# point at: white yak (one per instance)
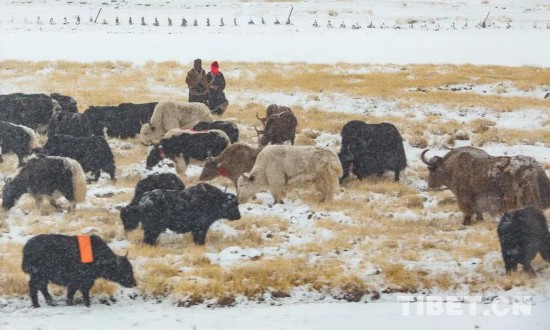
(279, 166)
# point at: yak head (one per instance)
(246, 187)
(150, 134)
(13, 189)
(436, 168)
(118, 270)
(155, 156)
(212, 169)
(130, 217)
(222, 204)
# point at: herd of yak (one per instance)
(516, 187)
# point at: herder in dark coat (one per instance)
(216, 84)
(197, 83)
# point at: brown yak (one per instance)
(273, 109)
(278, 129)
(484, 183)
(235, 160)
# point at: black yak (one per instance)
(191, 210)
(522, 234)
(59, 259)
(182, 145)
(165, 181)
(371, 149)
(92, 152)
(44, 177)
(20, 140)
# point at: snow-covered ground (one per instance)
(404, 32)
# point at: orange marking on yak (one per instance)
(85, 248)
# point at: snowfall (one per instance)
(375, 32)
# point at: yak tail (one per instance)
(79, 180)
(545, 250)
(544, 188)
(28, 261)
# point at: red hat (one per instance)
(215, 68)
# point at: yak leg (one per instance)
(396, 175)
(43, 287)
(97, 174)
(71, 290)
(33, 290)
(479, 216)
(468, 207)
(510, 265)
(346, 171)
(51, 199)
(85, 289)
(529, 269)
(199, 235)
(111, 170)
(181, 165)
(150, 236)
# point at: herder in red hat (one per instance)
(216, 84)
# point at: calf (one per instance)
(18, 139)
(229, 128)
(59, 259)
(45, 177)
(522, 234)
(371, 149)
(191, 210)
(92, 152)
(182, 145)
(235, 160)
(165, 181)
(278, 129)
(278, 166)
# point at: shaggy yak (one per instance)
(278, 129)
(92, 152)
(20, 140)
(522, 234)
(182, 145)
(69, 123)
(483, 183)
(170, 115)
(122, 121)
(30, 110)
(47, 177)
(191, 210)
(371, 149)
(280, 165)
(68, 261)
(229, 128)
(165, 181)
(273, 109)
(235, 160)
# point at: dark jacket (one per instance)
(216, 97)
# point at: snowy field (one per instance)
(401, 32)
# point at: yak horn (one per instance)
(259, 132)
(126, 255)
(423, 157)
